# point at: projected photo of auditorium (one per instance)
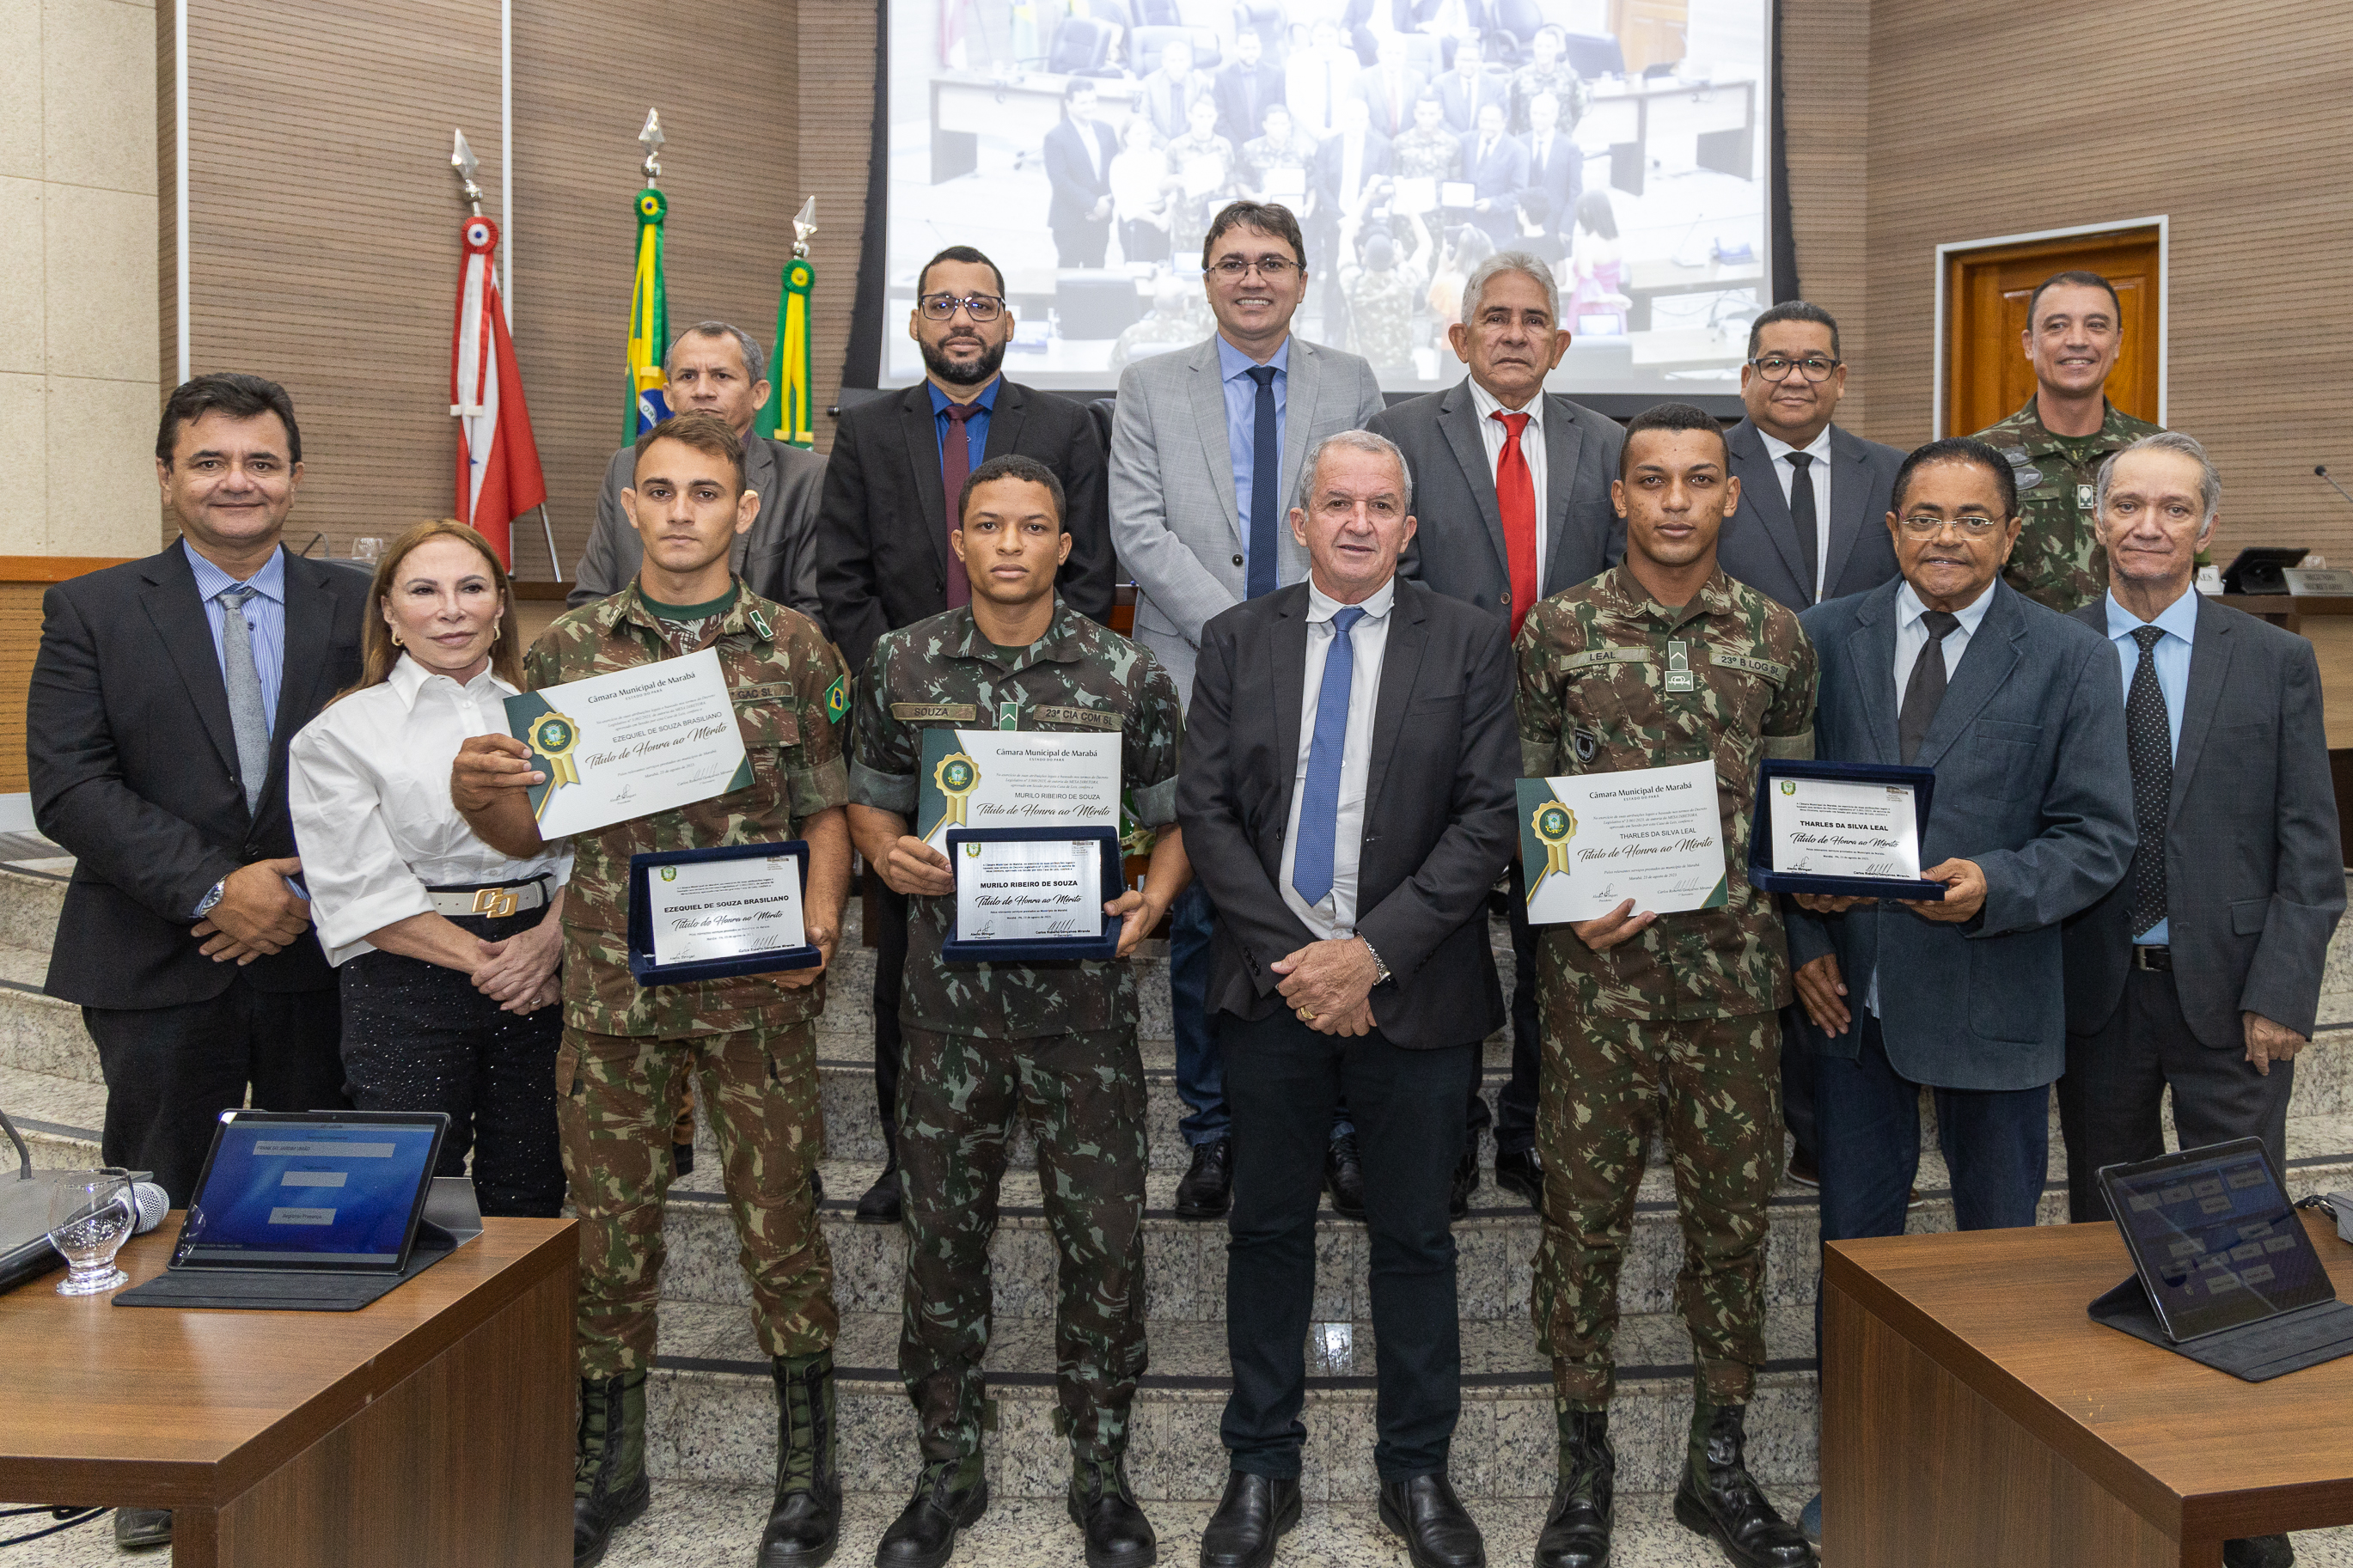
(1084, 144)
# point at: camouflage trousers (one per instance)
(1083, 1096)
(616, 1097)
(1714, 1085)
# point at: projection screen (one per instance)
(1083, 144)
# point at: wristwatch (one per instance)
(1380, 970)
(204, 905)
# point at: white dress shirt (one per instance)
(1910, 636)
(369, 791)
(1818, 449)
(2179, 621)
(1492, 431)
(1337, 915)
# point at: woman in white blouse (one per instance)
(447, 949)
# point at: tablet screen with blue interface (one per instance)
(2217, 1240)
(309, 1194)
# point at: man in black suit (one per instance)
(1351, 170)
(163, 700)
(1351, 956)
(882, 558)
(1079, 151)
(1495, 162)
(1515, 482)
(1800, 544)
(1245, 89)
(1556, 167)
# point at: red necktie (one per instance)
(1515, 494)
(955, 467)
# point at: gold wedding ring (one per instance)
(1306, 1014)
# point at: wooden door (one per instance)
(1986, 377)
(1651, 32)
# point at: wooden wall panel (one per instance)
(1825, 75)
(725, 75)
(837, 102)
(2234, 120)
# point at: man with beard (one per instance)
(883, 555)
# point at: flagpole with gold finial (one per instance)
(789, 415)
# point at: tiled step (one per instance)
(711, 1409)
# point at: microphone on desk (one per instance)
(149, 1204)
(2322, 470)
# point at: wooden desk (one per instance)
(432, 1427)
(1972, 1414)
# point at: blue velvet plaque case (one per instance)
(1101, 947)
(1760, 831)
(642, 925)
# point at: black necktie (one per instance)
(1925, 692)
(1801, 512)
(1266, 460)
(2149, 740)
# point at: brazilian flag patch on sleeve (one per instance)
(837, 699)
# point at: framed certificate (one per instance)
(630, 743)
(1841, 829)
(707, 914)
(1590, 841)
(1025, 894)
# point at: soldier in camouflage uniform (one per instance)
(1546, 71)
(1431, 150)
(1663, 1018)
(1282, 147)
(1052, 1042)
(1382, 293)
(2074, 328)
(628, 1050)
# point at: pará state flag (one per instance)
(649, 322)
(499, 477)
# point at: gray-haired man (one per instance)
(719, 368)
(1515, 497)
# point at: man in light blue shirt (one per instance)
(264, 612)
(1243, 417)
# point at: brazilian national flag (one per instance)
(647, 386)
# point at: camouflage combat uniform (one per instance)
(1677, 1023)
(1380, 311)
(1053, 1041)
(1418, 155)
(2058, 561)
(629, 1049)
(1569, 88)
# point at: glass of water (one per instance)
(367, 548)
(90, 1219)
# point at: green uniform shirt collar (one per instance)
(627, 608)
(1062, 644)
(1628, 598)
(2038, 442)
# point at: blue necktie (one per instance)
(1266, 464)
(1319, 808)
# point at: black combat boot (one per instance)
(1104, 1505)
(806, 1516)
(609, 1472)
(1718, 1497)
(1577, 1526)
(948, 1497)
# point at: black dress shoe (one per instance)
(1718, 1497)
(1466, 1182)
(1208, 1189)
(1104, 1505)
(1252, 1515)
(1522, 1172)
(682, 1160)
(924, 1534)
(1804, 1170)
(1437, 1529)
(1344, 1177)
(880, 1204)
(143, 1529)
(1576, 1527)
(2259, 1551)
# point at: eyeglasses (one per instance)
(979, 307)
(1970, 524)
(1270, 268)
(1777, 367)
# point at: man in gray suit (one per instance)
(2017, 710)
(2200, 971)
(1206, 450)
(1514, 484)
(714, 366)
(1800, 543)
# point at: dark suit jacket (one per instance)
(1458, 545)
(1244, 94)
(1498, 180)
(777, 559)
(1071, 174)
(1759, 545)
(134, 764)
(1373, 88)
(883, 543)
(1463, 104)
(2254, 879)
(2031, 783)
(1562, 180)
(1329, 167)
(1438, 808)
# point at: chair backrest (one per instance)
(1152, 38)
(1080, 44)
(1596, 54)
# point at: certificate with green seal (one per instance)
(1591, 841)
(646, 739)
(1050, 780)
